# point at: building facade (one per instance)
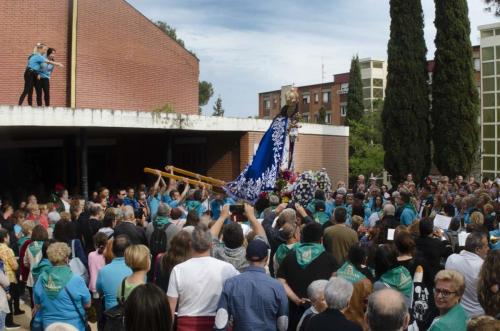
(490, 99)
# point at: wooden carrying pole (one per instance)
(212, 181)
(180, 178)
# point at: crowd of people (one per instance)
(37, 75)
(175, 257)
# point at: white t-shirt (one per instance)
(197, 283)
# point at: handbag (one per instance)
(84, 319)
(77, 266)
(115, 316)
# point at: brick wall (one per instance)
(23, 23)
(223, 156)
(133, 65)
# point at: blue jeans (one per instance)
(2, 320)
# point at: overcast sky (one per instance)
(246, 47)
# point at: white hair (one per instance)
(128, 213)
(389, 209)
(338, 293)
(316, 289)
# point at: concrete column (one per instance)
(83, 164)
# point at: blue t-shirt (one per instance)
(110, 278)
(407, 216)
(154, 203)
(61, 309)
(46, 70)
(35, 62)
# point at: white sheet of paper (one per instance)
(390, 234)
(442, 222)
(462, 236)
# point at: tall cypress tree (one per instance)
(405, 117)
(355, 107)
(455, 103)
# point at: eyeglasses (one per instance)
(444, 293)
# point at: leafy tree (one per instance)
(455, 103)
(367, 152)
(218, 110)
(322, 115)
(405, 116)
(169, 31)
(206, 91)
(493, 6)
(355, 107)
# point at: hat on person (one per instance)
(257, 250)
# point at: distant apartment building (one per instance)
(332, 96)
(490, 98)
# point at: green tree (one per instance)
(455, 103)
(205, 92)
(322, 115)
(366, 150)
(405, 116)
(218, 110)
(355, 107)
(169, 31)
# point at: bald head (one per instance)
(387, 311)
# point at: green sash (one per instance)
(308, 252)
(350, 273)
(400, 279)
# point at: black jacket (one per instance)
(332, 320)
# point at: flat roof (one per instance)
(11, 116)
(488, 26)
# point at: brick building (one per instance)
(101, 129)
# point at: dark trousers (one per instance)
(13, 303)
(42, 86)
(29, 82)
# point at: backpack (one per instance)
(158, 240)
(115, 316)
(77, 266)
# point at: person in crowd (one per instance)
(147, 308)
(137, 258)
(388, 220)
(195, 285)
(483, 323)
(4, 304)
(34, 255)
(488, 286)
(109, 222)
(408, 212)
(338, 293)
(10, 266)
(357, 305)
(96, 262)
(110, 276)
(42, 84)
(338, 239)
(308, 262)
(290, 232)
(406, 251)
(128, 227)
(354, 268)
(265, 306)
(448, 290)
(389, 273)
(316, 294)
(64, 232)
(431, 249)
(162, 222)
(59, 295)
(129, 199)
(387, 311)
(231, 249)
(180, 251)
(90, 226)
(360, 184)
(32, 71)
(469, 263)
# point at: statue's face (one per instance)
(292, 97)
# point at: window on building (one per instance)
(488, 115)
(488, 163)
(477, 64)
(328, 118)
(316, 97)
(488, 147)
(344, 87)
(378, 82)
(365, 65)
(378, 64)
(498, 68)
(488, 131)
(378, 93)
(343, 109)
(486, 33)
(488, 69)
(316, 118)
(498, 53)
(488, 99)
(487, 53)
(326, 97)
(497, 32)
(488, 84)
(367, 82)
(367, 93)
(267, 104)
(266, 113)
(367, 104)
(306, 99)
